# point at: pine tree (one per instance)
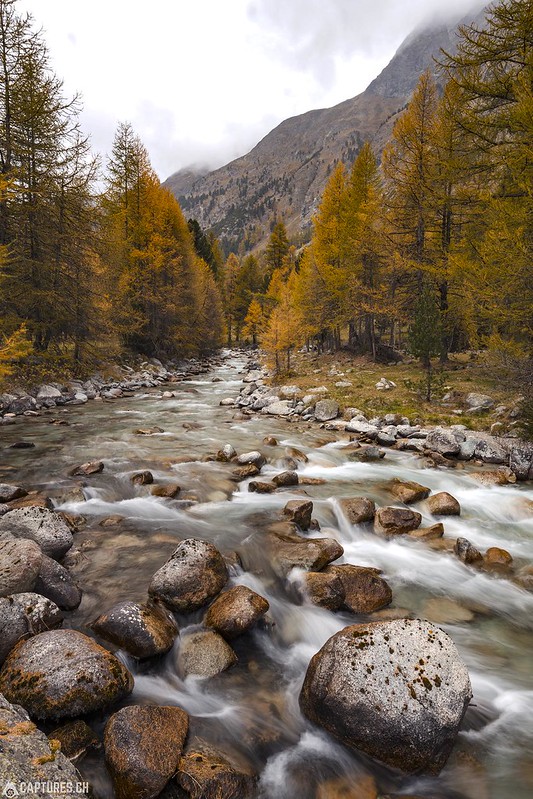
(425, 333)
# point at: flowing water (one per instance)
(251, 711)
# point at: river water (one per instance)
(251, 711)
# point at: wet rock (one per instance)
(396, 521)
(10, 492)
(524, 577)
(326, 409)
(364, 590)
(166, 490)
(194, 574)
(255, 458)
(358, 510)
(76, 739)
(478, 402)
(206, 774)
(56, 583)
(467, 552)
(428, 533)
(143, 746)
(147, 431)
(360, 786)
(142, 630)
(296, 454)
(63, 674)
(27, 755)
(443, 442)
(490, 450)
(48, 529)
(311, 481)
(20, 561)
(270, 441)
(24, 615)
(385, 439)
(287, 550)
(497, 559)
(204, 654)
(22, 445)
(91, 467)
(300, 512)
(397, 690)
(261, 488)
(521, 460)
(408, 491)
(244, 472)
(442, 610)
(367, 453)
(323, 589)
(497, 477)
(226, 454)
(281, 408)
(33, 499)
(443, 504)
(236, 611)
(285, 479)
(142, 478)
(362, 428)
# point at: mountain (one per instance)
(285, 174)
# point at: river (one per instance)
(252, 709)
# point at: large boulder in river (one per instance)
(364, 590)
(23, 615)
(444, 442)
(288, 550)
(299, 511)
(10, 492)
(396, 521)
(20, 561)
(207, 774)
(326, 409)
(236, 611)
(443, 504)
(408, 491)
(194, 574)
(63, 674)
(204, 653)
(142, 630)
(56, 583)
(143, 746)
(358, 510)
(397, 690)
(48, 529)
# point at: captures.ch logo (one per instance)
(10, 790)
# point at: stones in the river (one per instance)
(20, 561)
(166, 490)
(76, 738)
(396, 690)
(324, 589)
(142, 478)
(270, 441)
(467, 552)
(396, 521)
(27, 756)
(364, 590)
(142, 630)
(56, 583)
(326, 409)
(226, 454)
(287, 550)
(286, 479)
(442, 610)
(143, 746)
(236, 611)
(86, 469)
(443, 442)
(300, 512)
(63, 674)
(408, 491)
(497, 559)
(204, 653)
(48, 529)
(358, 510)
(494, 477)
(206, 774)
(148, 431)
(254, 457)
(244, 472)
(443, 504)
(258, 487)
(428, 533)
(24, 615)
(194, 574)
(10, 492)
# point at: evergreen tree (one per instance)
(425, 333)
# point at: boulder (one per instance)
(24, 615)
(226, 454)
(56, 583)
(33, 499)
(497, 559)
(206, 774)
(144, 431)
(236, 611)
(408, 491)
(142, 630)
(358, 510)
(521, 460)
(396, 521)
(467, 552)
(63, 674)
(9, 492)
(194, 574)
(142, 478)
(48, 529)
(490, 450)
(496, 477)
(204, 654)
(27, 756)
(285, 479)
(258, 487)
(299, 511)
(428, 533)
(86, 469)
(367, 453)
(478, 402)
(364, 590)
(443, 504)
(166, 490)
(76, 738)
(20, 561)
(442, 610)
(143, 746)
(244, 472)
(397, 690)
(270, 441)
(288, 550)
(323, 589)
(362, 429)
(255, 458)
(326, 409)
(443, 442)
(296, 455)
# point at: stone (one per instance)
(270, 441)
(428, 533)
(408, 491)
(497, 477)
(24, 615)
(9, 492)
(467, 552)
(255, 458)
(20, 561)
(142, 478)
(385, 439)
(166, 490)
(281, 408)
(235, 611)
(490, 450)
(48, 529)
(56, 583)
(287, 550)
(396, 521)
(524, 577)
(300, 512)
(147, 431)
(143, 746)
(521, 460)
(244, 472)
(358, 510)
(194, 574)
(396, 690)
(443, 442)
(443, 504)
(76, 739)
(285, 479)
(226, 454)
(63, 674)
(478, 402)
(323, 589)
(442, 610)
(497, 559)
(467, 448)
(367, 453)
(364, 590)
(27, 756)
(86, 469)
(33, 499)
(48, 392)
(360, 786)
(204, 654)
(206, 774)
(362, 429)
(326, 409)
(142, 630)
(261, 488)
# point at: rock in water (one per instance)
(48, 529)
(236, 611)
(194, 574)
(63, 674)
(204, 653)
(20, 561)
(24, 615)
(408, 491)
(397, 690)
(142, 630)
(206, 774)
(143, 746)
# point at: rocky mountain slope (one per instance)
(284, 175)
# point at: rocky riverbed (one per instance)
(208, 589)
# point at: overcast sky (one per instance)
(202, 81)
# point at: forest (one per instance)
(426, 247)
